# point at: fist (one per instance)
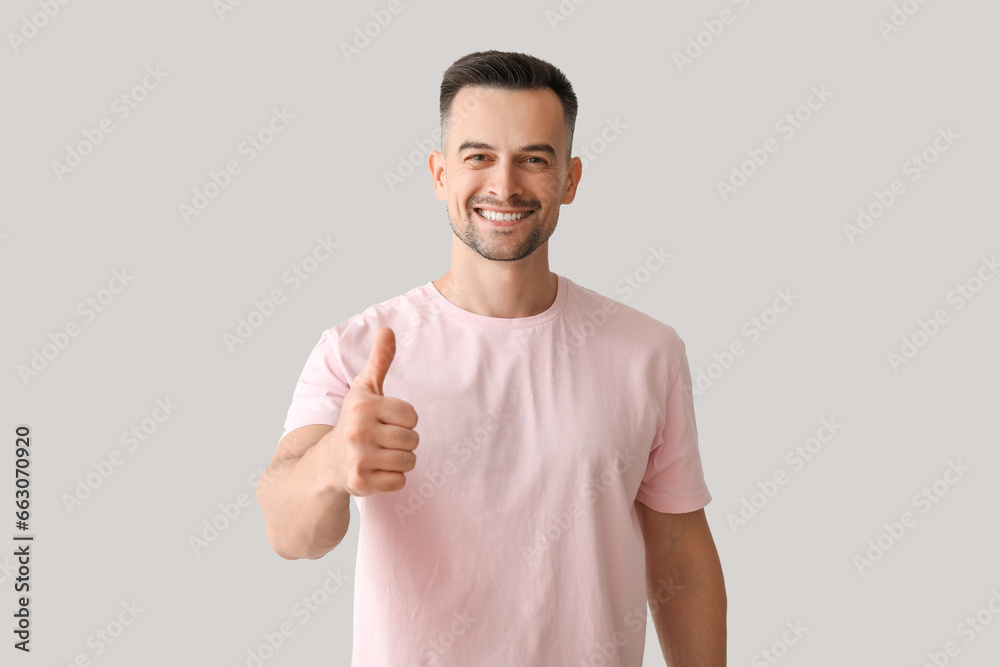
(373, 441)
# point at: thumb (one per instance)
(383, 350)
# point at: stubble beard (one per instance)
(496, 249)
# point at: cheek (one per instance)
(462, 190)
(459, 210)
(550, 187)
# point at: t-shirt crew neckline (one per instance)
(478, 320)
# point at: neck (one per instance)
(508, 290)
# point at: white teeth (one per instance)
(492, 215)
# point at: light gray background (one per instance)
(654, 185)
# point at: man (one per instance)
(557, 484)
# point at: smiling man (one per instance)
(557, 488)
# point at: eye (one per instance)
(540, 160)
(471, 157)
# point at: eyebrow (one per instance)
(530, 148)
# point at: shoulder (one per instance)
(624, 320)
(391, 312)
(347, 344)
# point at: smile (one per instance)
(497, 217)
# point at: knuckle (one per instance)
(349, 431)
(358, 433)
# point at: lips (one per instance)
(503, 222)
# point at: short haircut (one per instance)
(507, 71)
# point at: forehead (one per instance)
(494, 114)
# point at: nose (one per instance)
(503, 181)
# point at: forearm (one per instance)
(691, 622)
(304, 516)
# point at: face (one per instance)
(504, 171)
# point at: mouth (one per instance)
(502, 219)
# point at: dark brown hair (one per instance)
(507, 71)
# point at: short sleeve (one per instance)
(320, 390)
(674, 481)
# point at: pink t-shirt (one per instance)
(515, 540)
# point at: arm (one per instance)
(685, 587)
(305, 515)
(305, 492)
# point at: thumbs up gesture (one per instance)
(373, 441)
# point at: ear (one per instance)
(572, 180)
(436, 164)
